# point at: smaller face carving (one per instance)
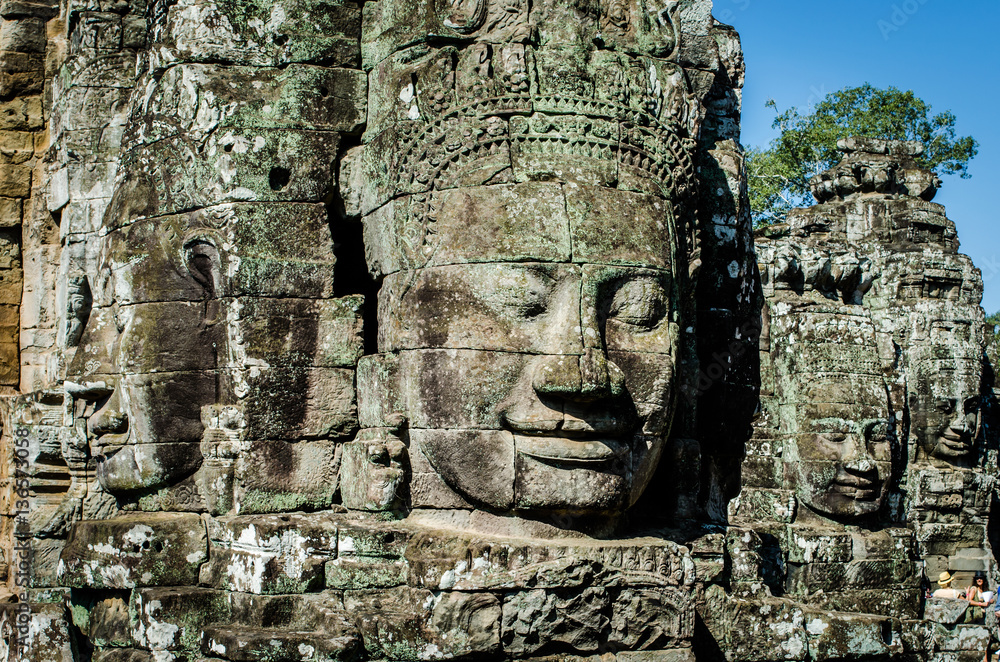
(841, 464)
(956, 439)
(945, 380)
(950, 426)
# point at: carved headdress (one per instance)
(466, 94)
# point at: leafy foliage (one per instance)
(994, 319)
(779, 175)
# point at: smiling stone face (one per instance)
(936, 318)
(156, 324)
(836, 413)
(545, 384)
(945, 404)
(840, 463)
(220, 306)
(527, 181)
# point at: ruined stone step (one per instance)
(251, 644)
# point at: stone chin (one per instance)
(504, 471)
(953, 447)
(843, 502)
(145, 467)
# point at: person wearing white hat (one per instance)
(946, 590)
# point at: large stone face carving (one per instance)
(558, 375)
(947, 406)
(193, 322)
(528, 226)
(215, 281)
(147, 433)
(429, 330)
(558, 424)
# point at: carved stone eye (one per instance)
(877, 433)
(946, 406)
(203, 262)
(641, 302)
(121, 315)
(617, 12)
(465, 16)
(522, 294)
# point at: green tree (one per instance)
(994, 319)
(779, 175)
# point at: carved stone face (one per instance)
(157, 325)
(225, 305)
(948, 423)
(518, 194)
(841, 464)
(944, 358)
(835, 408)
(543, 385)
(957, 437)
(945, 396)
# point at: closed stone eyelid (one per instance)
(521, 296)
(117, 317)
(517, 294)
(655, 301)
(876, 426)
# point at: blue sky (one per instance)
(946, 51)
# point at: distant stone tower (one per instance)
(868, 286)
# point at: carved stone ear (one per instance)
(202, 260)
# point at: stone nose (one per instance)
(961, 423)
(584, 378)
(863, 464)
(859, 459)
(109, 419)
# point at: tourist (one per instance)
(979, 596)
(946, 590)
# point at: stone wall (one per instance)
(399, 330)
(23, 142)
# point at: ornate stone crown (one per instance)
(533, 105)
